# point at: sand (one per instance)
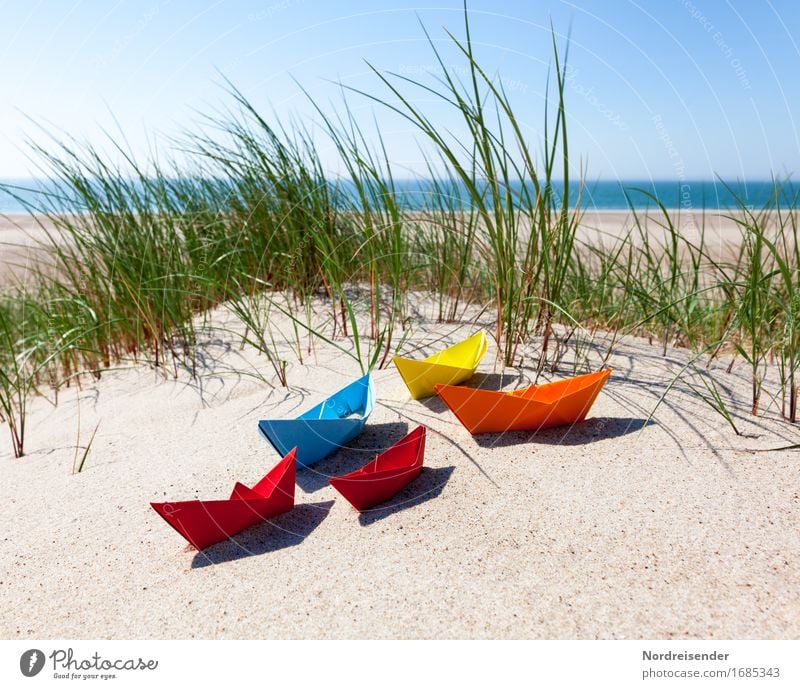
(21, 239)
(615, 528)
(20, 235)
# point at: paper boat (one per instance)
(325, 427)
(562, 402)
(450, 366)
(386, 475)
(205, 522)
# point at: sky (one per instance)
(661, 90)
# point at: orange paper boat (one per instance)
(562, 402)
(386, 475)
(205, 522)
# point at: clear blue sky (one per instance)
(664, 89)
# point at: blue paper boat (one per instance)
(325, 427)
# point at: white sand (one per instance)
(20, 235)
(611, 529)
(21, 239)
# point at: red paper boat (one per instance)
(386, 475)
(205, 522)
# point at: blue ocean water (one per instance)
(599, 195)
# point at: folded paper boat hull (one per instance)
(205, 522)
(386, 475)
(314, 439)
(420, 377)
(559, 403)
(324, 428)
(450, 366)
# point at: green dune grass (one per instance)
(250, 219)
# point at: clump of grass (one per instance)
(529, 232)
(251, 219)
(14, 382)
(786, 254)
(446, 236)
(253, 310)
(752, 292)
(760, 289)
(29, 348)
(118, 248)
(295, 230)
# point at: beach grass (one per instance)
(250, 219)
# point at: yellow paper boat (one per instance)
(451, 366)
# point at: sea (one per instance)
(19, 195)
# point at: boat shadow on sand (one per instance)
(583, 433)
(373, 440)
(427, 486)
(284, 531)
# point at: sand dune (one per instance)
(615, 528)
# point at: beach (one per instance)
(324, 322)
(21, 237)
(21, 234)
(617, 527)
